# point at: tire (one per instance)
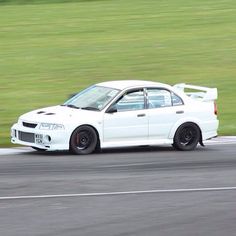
(83, 140)
(187, 137)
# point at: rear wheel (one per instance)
(83, 140)
(187, 137)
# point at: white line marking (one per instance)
(218, 143)
(18, 150)
(118, 193)
(221, 140)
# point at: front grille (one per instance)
(29, 125)
(26, 137)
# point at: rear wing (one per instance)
(204, 94)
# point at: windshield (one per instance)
(93, 98)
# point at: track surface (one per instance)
(49, 180)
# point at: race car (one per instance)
(125, 113)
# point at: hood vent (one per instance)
(45, 113)
(40, 112)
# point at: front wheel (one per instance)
(187, 137)
(83, 140)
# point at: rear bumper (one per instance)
(209, 129)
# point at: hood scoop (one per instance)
(46, 113)
(41, 112)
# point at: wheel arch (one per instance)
(181, 122)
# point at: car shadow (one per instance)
(140, 149)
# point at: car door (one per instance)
(127, 119)
(164, 109)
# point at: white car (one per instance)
(121, 114)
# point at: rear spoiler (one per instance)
(205, 94)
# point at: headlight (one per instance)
(49, 126)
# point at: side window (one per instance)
(176, 100)
(159, 98)
(133, 100)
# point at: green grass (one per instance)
(48, 51)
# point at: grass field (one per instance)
(48, 51)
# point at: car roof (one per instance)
(125, 84)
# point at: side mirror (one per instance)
(112, 109)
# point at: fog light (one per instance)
(47, 139)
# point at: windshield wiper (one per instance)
(71, 106)
(84, 108)
(90, 108)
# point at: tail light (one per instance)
(215, 108)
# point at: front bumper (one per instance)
(44, 139)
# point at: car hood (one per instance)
(56, 114)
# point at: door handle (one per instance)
(141, 115)
(179, 112)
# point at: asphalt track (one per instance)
(144, 191)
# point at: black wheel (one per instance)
(39, 149)
(83, 140)
(187, 137)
